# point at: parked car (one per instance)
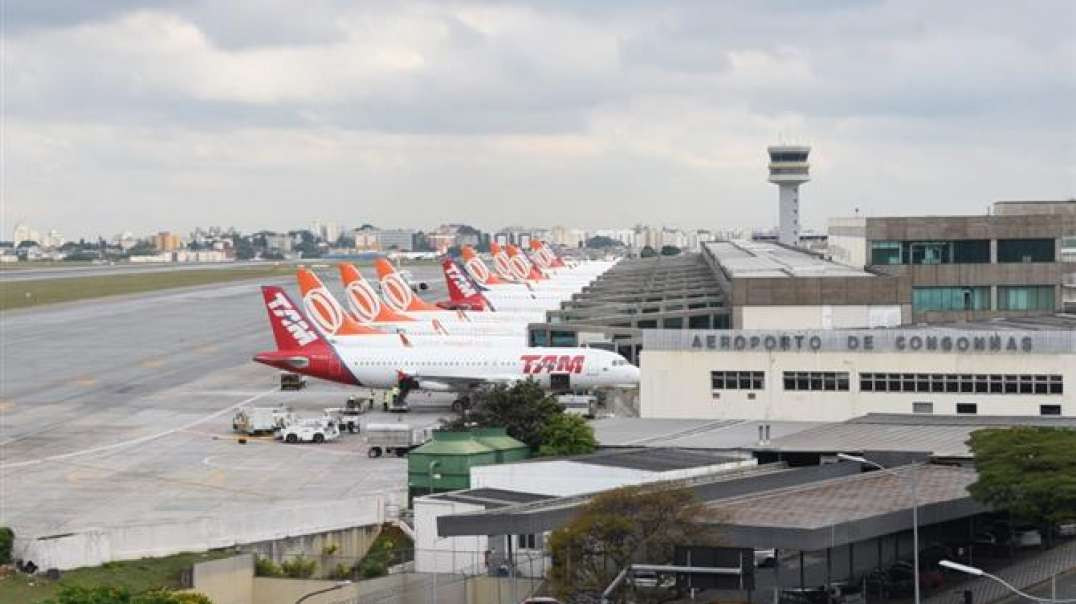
(650, 579)
(1027, 537)
(1067, 529)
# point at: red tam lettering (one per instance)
(528, 363)
(577, 363)
(549, 363)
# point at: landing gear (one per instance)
(461, 404)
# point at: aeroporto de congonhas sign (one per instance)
(863, 340)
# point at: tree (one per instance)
(523, 409)
(7, 540)
(669, 250)
(1030, 471)
(600, 242)
(617, 528)
(647, 252)
(566, 434)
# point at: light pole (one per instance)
(322, 591)
(915, 511)
(978, 572)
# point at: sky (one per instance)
(145, 116)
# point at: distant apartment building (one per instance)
(396, 239)
(166, 241)
(1019, 261)
(280, 242)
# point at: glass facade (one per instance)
(960, 251)
(1026, 250)
(816, 380)
(1026, 297)
(950, 298)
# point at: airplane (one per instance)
(465, 293)
(333, 321)
(460, 370)
(401, 299)
(497, 281)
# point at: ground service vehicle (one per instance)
(256, 420)
(312, 430)
(292, 381)
(578, 404)
(347, 417)
(393, 438)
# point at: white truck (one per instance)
(395, 438)
(258, 420)
(310, 430)
(347, 417)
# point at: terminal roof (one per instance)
(744, 259)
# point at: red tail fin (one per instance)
(291, 330)
(461, 295)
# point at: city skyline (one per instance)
(173, 116)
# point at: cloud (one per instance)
(175, 114)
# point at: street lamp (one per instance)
(915, 511)
(322, 591)
(978, 572)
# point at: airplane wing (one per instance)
(455, 383)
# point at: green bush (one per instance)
(7, 539)
(340, 572)
(105, 594)
(299, 567)
(265, 567)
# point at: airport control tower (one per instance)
(788, 170)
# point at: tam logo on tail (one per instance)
(459, 287)
(290, 319)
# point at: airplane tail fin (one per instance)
(554, 259)
(462, 292)
(299, 347)
(291, 330)
(363, 301)
(477, 268)
(397, 292)
(323, 309)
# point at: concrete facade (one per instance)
(851, 239)
(677, 381)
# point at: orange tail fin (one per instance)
(324, 311)
(364, 302)
(397, 292)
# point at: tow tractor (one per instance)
(311, 430)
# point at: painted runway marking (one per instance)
(136, 441)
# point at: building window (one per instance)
(1026, 250)
(956, 382)
(1028, 297)
(526, 541)
(737, 380)
(967, 408)
(925, 408)
(834, 381)
(1049, 409)
(950, 298)
(971, 251)
(885, 252)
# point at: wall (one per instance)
(97, 546)
(348, 546)
(676, 384)
(563, 478)
(820, 316)
(226, 581)
(451, 554)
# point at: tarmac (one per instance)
(117, 412)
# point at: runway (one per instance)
(117, 412)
